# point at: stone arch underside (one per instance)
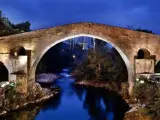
(4, 73)
(53, 42)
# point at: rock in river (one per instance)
(46, 77)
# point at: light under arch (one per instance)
(121, 53)
(18, 51)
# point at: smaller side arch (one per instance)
(143, 54)
(4, 74)
(157, 67)
(18, 51)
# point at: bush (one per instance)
(145, 93)
(153, 109)
(112, 85)
(35, 92)
(12, 97)
(148, 94)
(100, 65)
(124, 90)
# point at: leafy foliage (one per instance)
(144, 30)
(124, 90)
(8, 28)
(102, 64)
(148, 94)
(153, 109)
(145, 93)
(22, 27)
(140, 29)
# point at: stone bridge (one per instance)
(21, 53)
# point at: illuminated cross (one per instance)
(84, 45)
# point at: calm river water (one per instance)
(76, 103)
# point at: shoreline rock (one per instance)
(90, 83)
(46, 77)
(27, 102)
(96, 84)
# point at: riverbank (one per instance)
(91, 83)
(112, 86)
(35, 95)
(134, 113)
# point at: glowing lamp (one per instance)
(15, 53)
(73, 56)
(142, 81)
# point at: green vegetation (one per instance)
(9, 28)
(13, 98)
(148, 94)
(102, 64)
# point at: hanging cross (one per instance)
(84, 45)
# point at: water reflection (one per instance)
(101, 104)
(81, 103)
(55, 103)
(28, 113)
(78, 103)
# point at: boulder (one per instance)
(46, 78)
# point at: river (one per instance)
(76, 103)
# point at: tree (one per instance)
(148, 94)
(101, 65)
(140, 29)
(144, 30)
(22, 27)
(8, 28)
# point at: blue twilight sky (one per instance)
(50, 13)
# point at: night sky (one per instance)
(50, 13)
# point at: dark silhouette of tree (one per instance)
(144, 30)
(22, 27)
(140, 29)
(9, 28)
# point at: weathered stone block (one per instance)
(144, 65)
(22, 82)
(19, 64)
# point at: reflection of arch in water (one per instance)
(143, 54)
(3, 72)
(18, 51)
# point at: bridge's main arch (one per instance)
(121, 53)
